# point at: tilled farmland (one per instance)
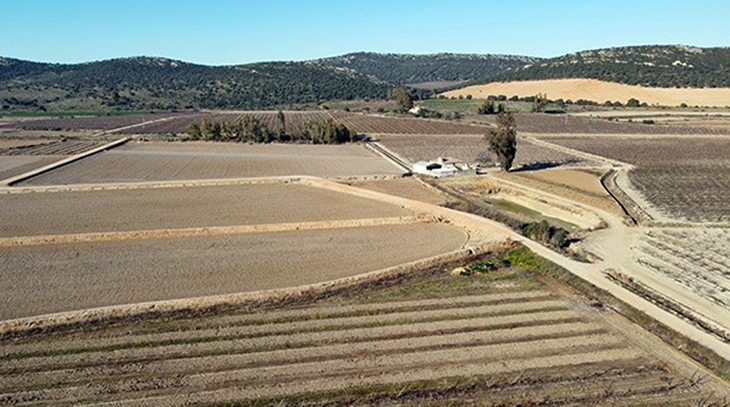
(66, 276)
(53, 148)
(178, 206)
(473, 149)
(503, 339)
(178, 123)
(571, 124)
(135, 162)
(687, 178)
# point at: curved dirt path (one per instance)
(615, 246)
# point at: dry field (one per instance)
(175, 207)
(578, 185)
(699, 259)
(473, 149)
(686, 178)
(11, 166)
(49, 278)
(178, 123)
(409, 188)
(542, 123)
(162, 161)
(599, 91)
(501, 339)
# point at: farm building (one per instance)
(441, 167)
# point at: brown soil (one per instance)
(578, 185)
(409, 188)
(179, 161)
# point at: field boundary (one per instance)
(38, 171)
(212, 230)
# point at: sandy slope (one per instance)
(600, 91)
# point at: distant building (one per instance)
(441, 167)
(416, 110)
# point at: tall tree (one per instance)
(402, 97)
(503, 140)
(281, 122)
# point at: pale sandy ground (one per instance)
(599, 91)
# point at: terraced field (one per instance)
(136, 162)
(498, 339)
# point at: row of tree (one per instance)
(249, 129)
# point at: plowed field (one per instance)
(687, 178)
(178, 123)
(434, 340)
(472, 149)
(179, 161)
(73, 212)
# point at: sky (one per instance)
(230, 32)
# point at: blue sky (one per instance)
(226, 32)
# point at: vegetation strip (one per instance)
(211, 231)
(29, 378)
(219, 324)
(500, 318)
(375, 378)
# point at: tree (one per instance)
(281, 122)
(402, 97)
(540, 102)
(503, 140)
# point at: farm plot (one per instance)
(73, 212)
(11, 166)
(696, 258)
(687, 178)
(433, 340)
(577, 185)
(180, 161)
(409, 188)
(472, 149)
(65, 147)
(50, 278)
(88, 123)
(569, 124)
(370, 124)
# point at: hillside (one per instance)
(142, 83)
(651, 66)
(414, 69)
(599, 91)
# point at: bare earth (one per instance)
(178, 161)
(577, 185)
(599, 91)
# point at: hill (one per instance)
(599, 91)
(665, 66)
(142, 83)
(404, 69)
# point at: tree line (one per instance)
(250, 129)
